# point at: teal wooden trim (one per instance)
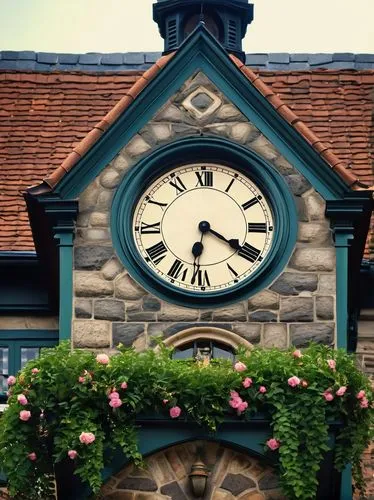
(202, 52)
(346, 483)
(215, 150)
(155, 436)
(65, 282)
(21, 335)
(343, 239)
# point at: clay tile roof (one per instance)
(44, 116)
(324, 151)
(94, 135)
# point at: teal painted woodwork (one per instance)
(350, 219)
(66, 283)
(23, 287)
(202, 52)
(157, 433)
(227, 19)
(213, 150)
(346, 484)
(342, 244)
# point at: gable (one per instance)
(336, 105)
(257, 102)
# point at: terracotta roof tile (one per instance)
(43, 117)
(328, 155)
(94, 135)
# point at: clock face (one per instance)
(203, 227)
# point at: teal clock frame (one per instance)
(213, 150)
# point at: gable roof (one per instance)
(323, 149)
(313, 99)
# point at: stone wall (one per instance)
(110, 307)
(232, 476)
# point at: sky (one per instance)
(80, 26)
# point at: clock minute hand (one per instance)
(233, 242)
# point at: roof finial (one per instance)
(202, 21)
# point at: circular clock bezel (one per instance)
(210, 150)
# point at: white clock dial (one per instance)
(203, 227)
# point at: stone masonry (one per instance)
(232, 475)
(111, 308)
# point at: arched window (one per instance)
(204, 349)
(206, 343)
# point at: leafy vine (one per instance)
(74, 405)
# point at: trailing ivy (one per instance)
(74, 405)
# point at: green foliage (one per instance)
(68, 395)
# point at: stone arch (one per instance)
(232, 475)
(207, 332)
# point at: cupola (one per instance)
(227, 20)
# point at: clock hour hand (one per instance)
(204, 227)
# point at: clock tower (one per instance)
(211, 216)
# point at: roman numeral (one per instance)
(232, 270)
(162, 205)
(229, 186)
(250, 203)
(204, 178)
(255, 227)
(178, 184)
(157, 252)
(249, 252)
(150, 228)
(201, 277)
(177, 270)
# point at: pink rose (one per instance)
(273, 444)
(124, 385)
(175, 411)
(234, 394)
(32, 456)
(81, 380)
(12, 380)
(113, 395)
(22, 399)
(304, 383)
(361, 394)
(235, 402)
(25, 415)
(293, 381)
(35, 371)
(165, 401)
(328, 396)
(72, 454)
(87, 437)
(242, 407)
(331, 363)
(247, 382)
(297, 354)
(103, 359)
(364, 403)
(262, 389)
(341, 390)
(240, 367)
(115, 403)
